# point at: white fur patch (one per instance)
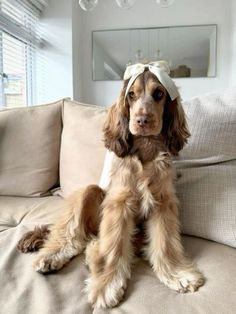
(111, 295)
(147, 200)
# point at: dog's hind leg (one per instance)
(68, 237)
(33, 240)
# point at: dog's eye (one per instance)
(131, 95)
(158, 94)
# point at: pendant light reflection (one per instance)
(125, 4)
(165, 3)
(88, 5)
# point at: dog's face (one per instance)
(147, 110)
(146, 100)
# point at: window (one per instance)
(19, 56)
(14, 72)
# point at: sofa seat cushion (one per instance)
(25, 212)
(82, 147)
(24, 291)
(30, 149)
(146, 295)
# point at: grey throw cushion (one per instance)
(206, 168)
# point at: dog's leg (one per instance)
(68, 237)
(165, 251)
(33, 241)
(109, 257)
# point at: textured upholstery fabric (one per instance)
(206, 169)
(82, 148)
(208, 202)
(212, 123)
(23, 291)
(29, 149)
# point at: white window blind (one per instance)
(19, 51)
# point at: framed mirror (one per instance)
(190, 50)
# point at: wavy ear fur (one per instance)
(175, 130)
(117, 137)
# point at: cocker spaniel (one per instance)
(144, 128)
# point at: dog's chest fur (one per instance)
(150, 183)
(153, 169)
(144, 173)
(147, 148)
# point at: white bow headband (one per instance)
(159, 68)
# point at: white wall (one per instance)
(107, 15)
(77, 29)
(57, 54)
(212, 56)
(233, 45)
(68, 57)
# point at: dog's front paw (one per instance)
(47, 264)
(106, 297)
(185, 281)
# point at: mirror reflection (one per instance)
(190, 50)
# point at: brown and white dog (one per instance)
(144, 129)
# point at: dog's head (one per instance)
(147, 110)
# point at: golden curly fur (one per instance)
(144, 131)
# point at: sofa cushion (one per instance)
(212, 123)
(206, 168)
(29, 149)
(208, 202)
(27, 212)
(146, 295)
(82, 148)
(24, 291)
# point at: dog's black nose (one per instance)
(142, 120)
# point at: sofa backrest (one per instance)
(29, 149)
(32, 142)
(45, 146)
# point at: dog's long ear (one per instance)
(175, 130)
(117, 137)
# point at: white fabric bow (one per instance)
(159, 68)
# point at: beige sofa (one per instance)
(47, 152)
